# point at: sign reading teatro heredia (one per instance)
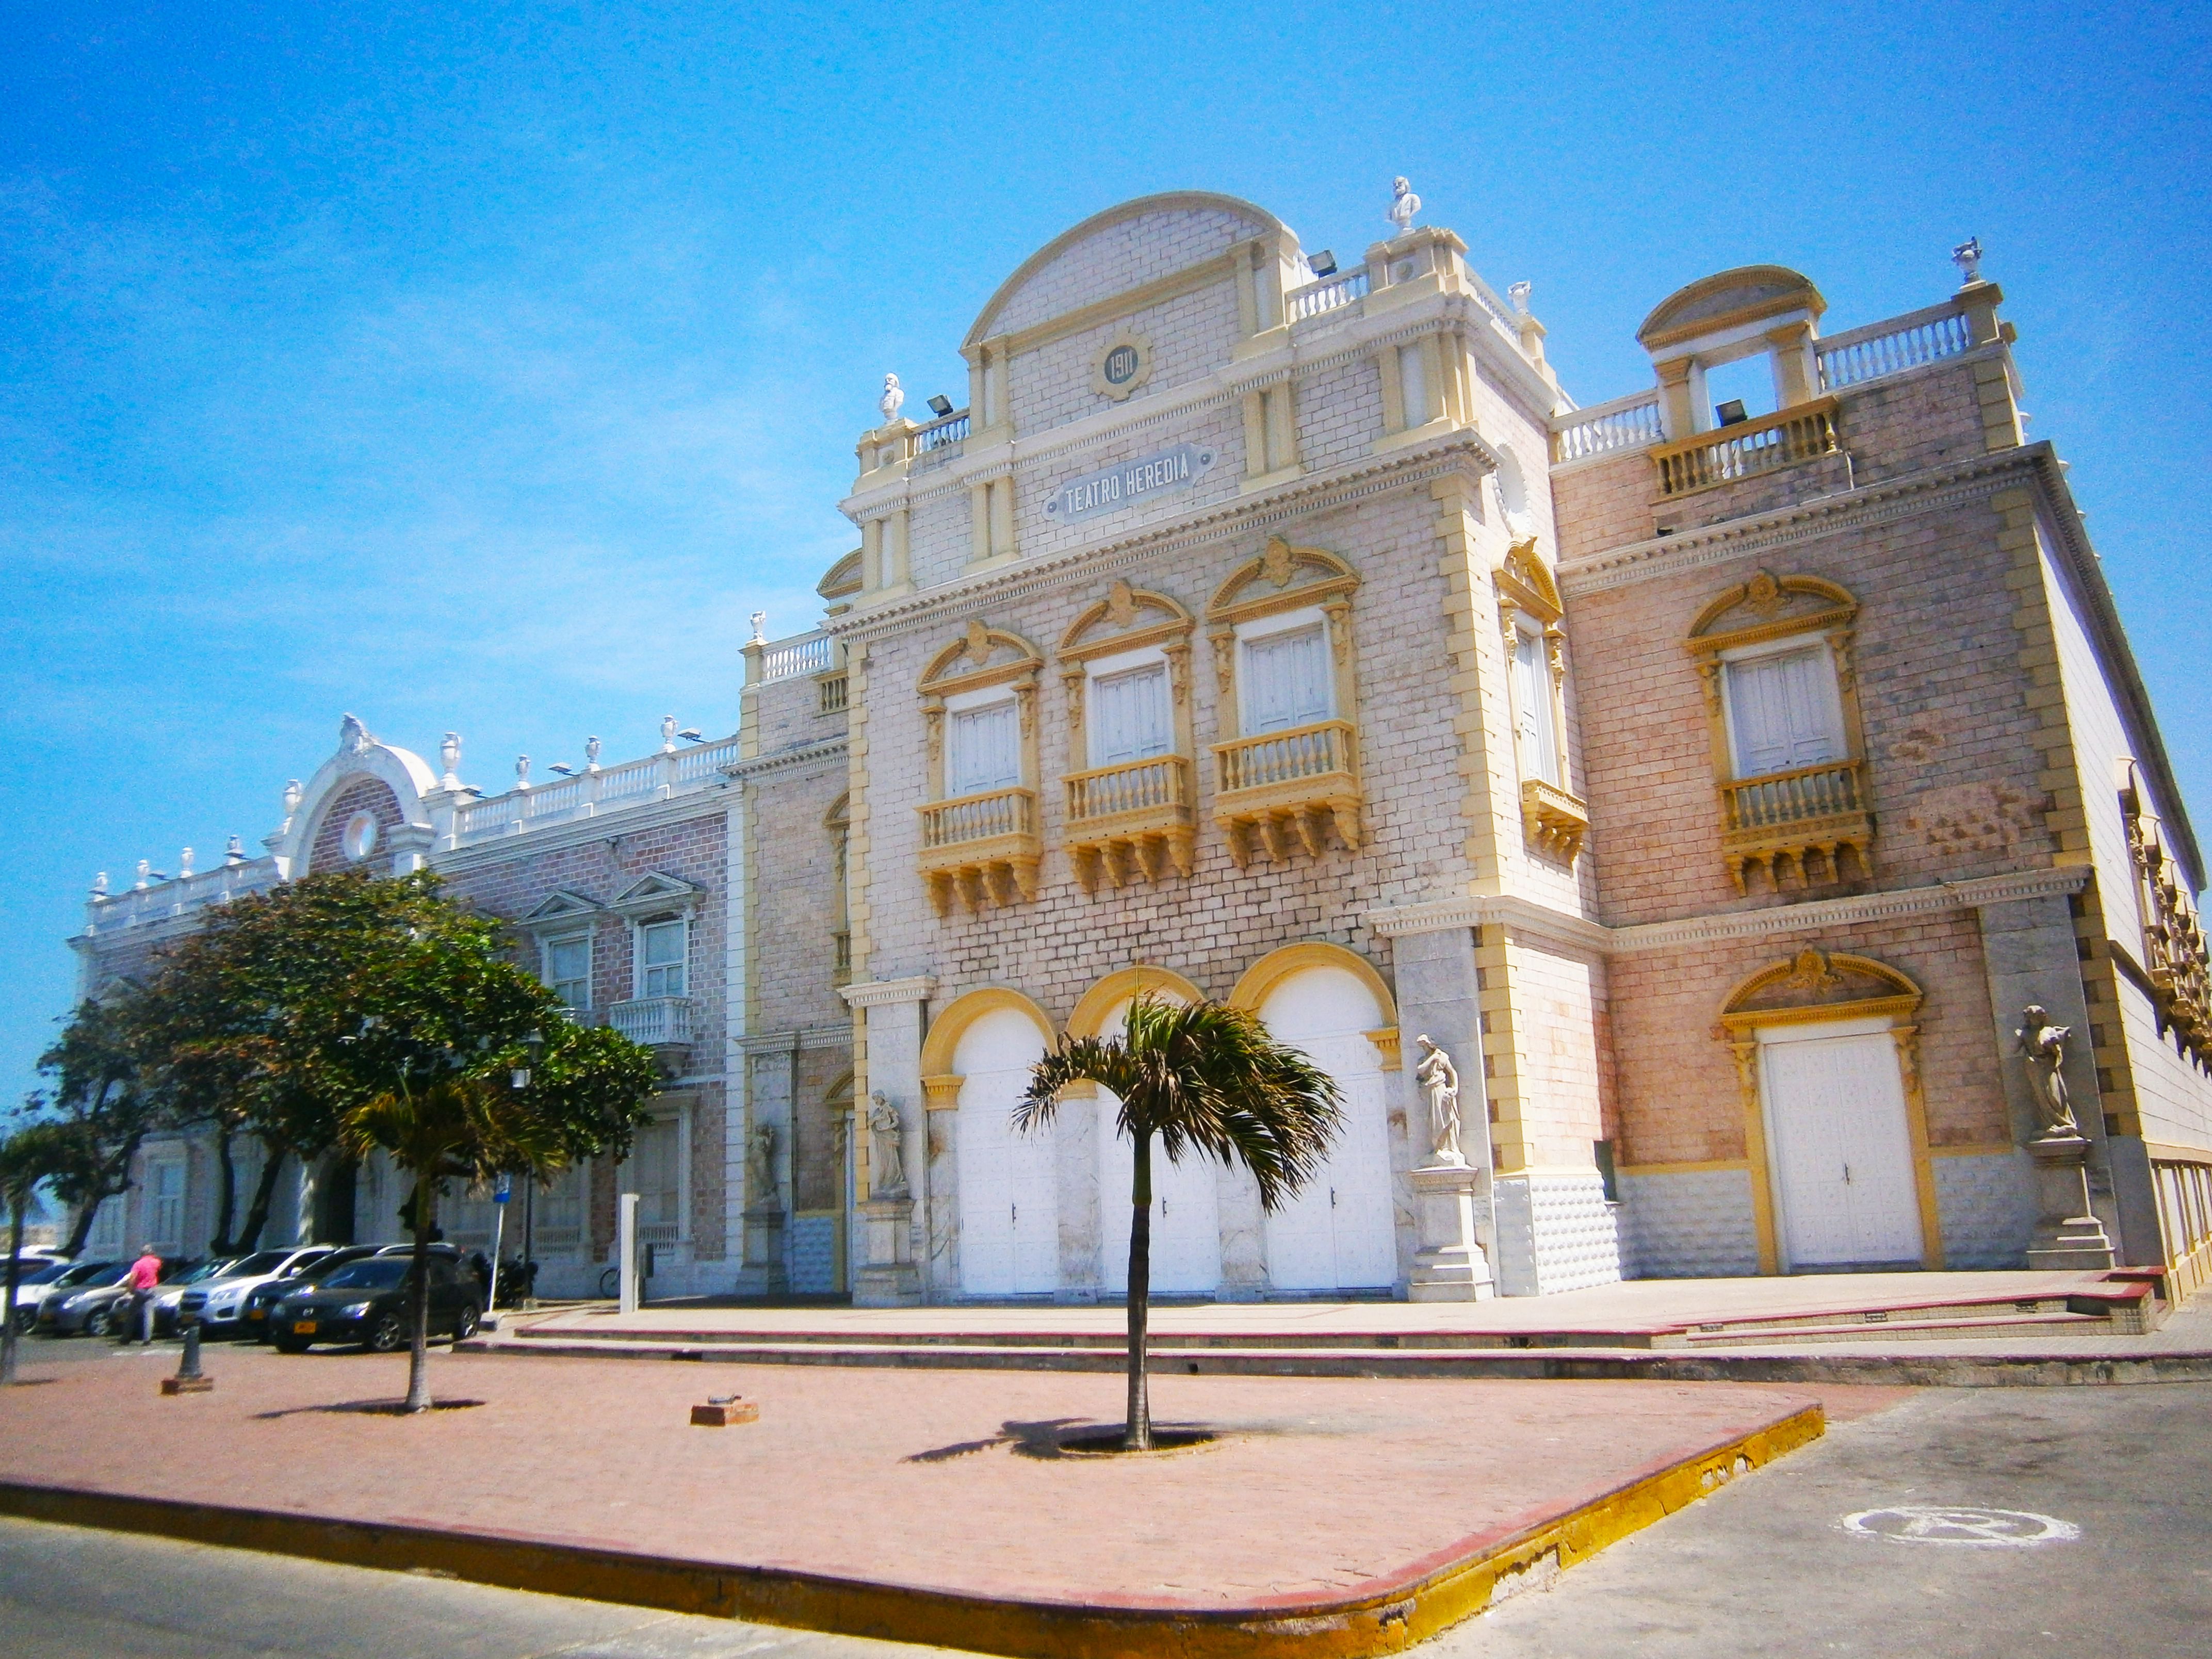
(1131, 481)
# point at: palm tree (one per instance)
(1203, 1078)
(457, 1128)
(28, 1155)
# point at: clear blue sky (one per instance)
(480, 367)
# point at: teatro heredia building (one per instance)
(1714, 783)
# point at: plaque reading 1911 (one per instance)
(1131, 481)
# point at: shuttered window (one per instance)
(1783, 713)
(984, 750)
(655, 1174)
(1286, 681)
(1534, 715)
(1129, 716)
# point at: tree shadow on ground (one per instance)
(366, 1408)
(1062, 1437)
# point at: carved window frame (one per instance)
(1527, 594)
(1285, 579)
(947, 678)
(1833, 623)
(1129, 619)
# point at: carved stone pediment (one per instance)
(1835, 985)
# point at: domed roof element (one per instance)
(1729, 299)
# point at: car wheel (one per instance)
(465, 1321)
(99, 1324)
(290, 1344)
(26, 1321)
(390, 1335)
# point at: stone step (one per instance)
(2059, 1323)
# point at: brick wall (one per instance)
(364, 794)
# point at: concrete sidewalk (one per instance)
(1329, 1516)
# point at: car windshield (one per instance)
(106, 1275)
(47, 1273)
(379, 1273)
(84, 1270)
(261, 1262)
(206, 1270)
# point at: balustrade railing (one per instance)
(1893, 347)
(946, 429)
(654, 1021)
(979, 818)
(1304, 751)
(1750, 447)
(590, 792)
(1792, 798)
(1159, 782)
(1330, 293)
(659, 1232)
(808, 653)
(1625, 423)
(835, 695)
(180, 894)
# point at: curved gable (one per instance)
(1118, 250)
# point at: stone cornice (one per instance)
(784, 759)
(714, 801)
(1542, 919)
(1927, 491)
(1462, 450)
(877, 993)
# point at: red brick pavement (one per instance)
(928, 1479)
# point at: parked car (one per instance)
(220, 1304)
(169, 1299)
(87, 1309)
(253, 1319)
(34, 1290)
(367, 1302)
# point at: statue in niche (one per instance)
(2044, 1046)
(1439, 1080)
(886, 1148)
(760, 1166)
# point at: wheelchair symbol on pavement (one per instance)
(1976, 1528)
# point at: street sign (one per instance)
(505, 1190)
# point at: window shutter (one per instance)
(1129, 716)
(1532, 696)
(1287, 681)
(984, 750)
(1783, 713)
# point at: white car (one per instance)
(39, 1282)
(220, 1303)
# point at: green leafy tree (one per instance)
(103, 1068)
(33, 1151)
(1205, 1080)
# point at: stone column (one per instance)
(887, 1274)
(770, 1080)
(1447, 1253)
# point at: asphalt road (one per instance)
(1765, 1565)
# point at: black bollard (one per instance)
(188, 1379)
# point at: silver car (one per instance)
(35, 1288)
(219, 1303)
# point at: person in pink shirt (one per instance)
(145, 1273)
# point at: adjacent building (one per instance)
(1716, 780)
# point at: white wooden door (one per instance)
(1009, 1205)
(1338, 1232)
(1186, 1215)
(1841, 1150)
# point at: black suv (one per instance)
(367, 1301)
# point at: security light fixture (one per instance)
(1322, 264)
(690, 734)
(1730, 413)
(940, 405)
(565, 771)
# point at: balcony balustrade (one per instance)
(1803, 819)
(1554, 820)
(980, 846)
(1288, 788)
(1789, 437)
(656, 1021)
(1130, 819)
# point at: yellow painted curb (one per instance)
(1401, 1614)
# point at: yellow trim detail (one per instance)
(1119, 986)
(1261, 978)
(947, 1030)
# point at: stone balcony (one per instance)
(980, 846)
(1283, 789)
(1130, 820)
(668, 1025)
(1788, 437)
(1802, 819)
(1554, 821)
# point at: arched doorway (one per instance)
(1009, 1205)
(1186, 1213)
(1339, 1233)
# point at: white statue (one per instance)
(668, 734)
(99, 885)
(145, 869)
(449, 757)
(353, 735)
(894, 396)
(760, 1166)
(886, 1148)
(760, 627)
(185, 864)
(522, 771)
(234, 851)
(2044, 1045)
(1519, 293)
(1968, 256)
(292, 794)
(591, 754)
(1404, 205)
(1439, 1080)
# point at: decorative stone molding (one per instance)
(882, 992)
(1803, 819)
(657, 894)
(1138, 817)
(2173, 943)
(1278, 965)
(1122, 364)
(984, 846)
(1276, 789)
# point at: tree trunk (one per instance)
(418, 1349)
(264, 1194)
(14, 1265)
(226, 1188)
(1137, 1433)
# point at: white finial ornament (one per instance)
(894, 396)
(1518, 293)
(234, 851)
(668, 734)
(1404, 205)
(99, 885)
(1968, 256)
(292, 793)
(145, 866)
(591, 754)
(353, 735)
(449, 757)
(522, 771)
(185, 864)
(760, 628)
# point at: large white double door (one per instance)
(1009, 1189)
(1840, 1148)
(1339, 1232)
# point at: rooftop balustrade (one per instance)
(1332, 293)
(1789, 437)
(591, 793)
(179, 895)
